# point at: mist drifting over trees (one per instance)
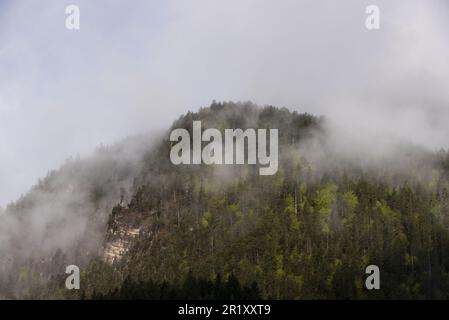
(141, 227)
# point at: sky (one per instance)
(135, 66)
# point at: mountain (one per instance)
(139, 226)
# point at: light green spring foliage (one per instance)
(298, 235)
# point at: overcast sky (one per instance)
(135, 66)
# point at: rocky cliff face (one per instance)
(117, 247)
(121, 231)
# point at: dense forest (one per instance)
(226, 232)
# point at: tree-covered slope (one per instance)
(309, 231)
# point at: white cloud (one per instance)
(136, 67)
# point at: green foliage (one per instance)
(298, 234)
(301, 234)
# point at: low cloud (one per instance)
(134, 67)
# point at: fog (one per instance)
(63, 219)
(136, 67)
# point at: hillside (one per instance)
(140, 227)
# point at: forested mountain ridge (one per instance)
(156, 230)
